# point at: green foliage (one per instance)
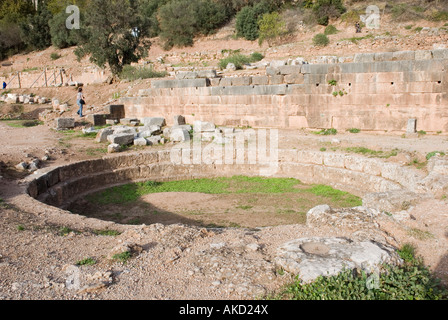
(439, 16)
(373, 153)
(110, 233)
(35, 31)
(343, 198)
(321, 40)
(134, 73)
(326, 9)
(246, 24)
(209, 16)
(13, 11)
(61, 37)
(115, 33)
(407, 253)
(407, 282)
(271, 27)
(55, 56)
(256, 56)
(86, 262)
(330, 29)
(434, 153)
(354, 130)
(332, 83)
(421, 132)
(327, 132)
(238, 59)
(122, 257)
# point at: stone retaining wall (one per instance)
(356, 174)
(379, 91)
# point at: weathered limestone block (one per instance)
(294, 78)
(154, 140)
(181, 75)
(364, 57)
(260, 80)
(412, 126)
(115, 111)
(179, 120)
(423, 55)
(272, 71)
(393, 201)
(285, 70)
(438, 164)
(113, 148)
(203, 126)
(179, 135)
(186, 83)
(335, 160)
(277, 79)
(225, 82)
(65, 123)
(241, 81)
(310, 258)
(128, 121)
(121, 138)
(96, 119)
(140, 142)
(440, 54)
(153, 121)
(207, 73)
(312, 157)
(277, 63)
(403, 55)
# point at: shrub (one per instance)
(434, 153)
(55, 56)
(354, 130)
(256, 56)
(330, 29)
(439, 16)
(238, 59)
(246, 24)
(61, 37)
(320, 40)
(326, 9)
(410, 281)
(36, 31)
(271, 28)
(133, 73)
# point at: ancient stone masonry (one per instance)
(394, 86)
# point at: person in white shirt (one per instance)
(80, 101)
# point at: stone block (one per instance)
(179, 120)
(181, 75)
(285, 70)
(65, 123)
(127, 121)
(113, 148)
(214, 82)
(412, 126)
(202, 126)
(140, 142)
(271, 71)
(278, 79)
(440, 54)
(121, 138)
(187, 83)
(364, 57)
(115, 111)
(241, 81)
(154, 140)
(225, 82)
(153, 121)
(403, 55)
(111, 122)
(179, 135)
(102, 135)
(260, 80)
(96, 119)
(277, 63)
(423, 55)
(383, 56)
(207, 73)
(296, 78)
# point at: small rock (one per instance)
(113, 148)
(22, 166)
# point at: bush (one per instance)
(239, 60)
(411, 281)
(132, 73)
(326, 9)
(61, 37)
(330, 30)
(55, 56)
(434, 153)
(271, 28)
(246, 24)
(35, 30)
(321, 40)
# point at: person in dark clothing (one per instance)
(4, 85)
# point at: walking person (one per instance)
(80, 101)
(4, 85)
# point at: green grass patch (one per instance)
(326, 132)
(235, 185)
(86, 262)
(134, 73)
(30, 69)
(372, 153)
(410, 281)
(354, 130)
(96, 151)
(20, 228)
(65, 231)
(239, 60)
(341, 198)
(122, 257)
(109, 233)
(356, 39)
(55, 56)
(330, 29)
(434, 153)
(23, 123)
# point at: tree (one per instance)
(326, 9)
(247, 19)
(271, 27)
(62, 37)
(115, 33)
(35, 30)
(16, 11)
(177, 23)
